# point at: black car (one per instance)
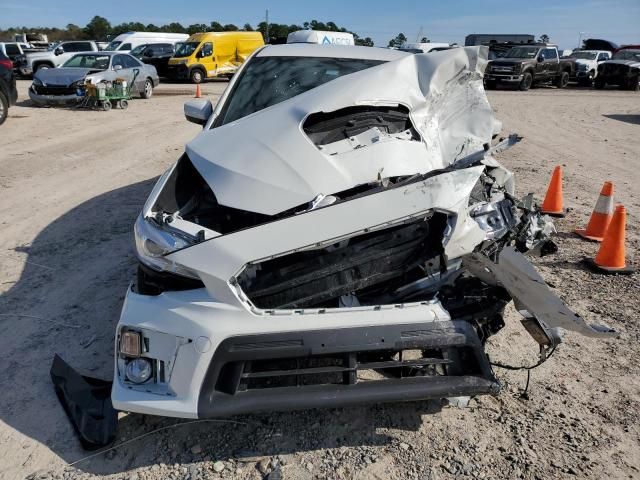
(156, 54)
(8, 91)
(622, 70)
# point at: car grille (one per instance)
(54, 90)
(614, 69)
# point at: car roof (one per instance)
(333, 51)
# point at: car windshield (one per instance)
(584, 55)
(137, 52)
(522, 52)
(186, 49)
(267, 81)
(94, 62)
(627, 55)
(112, 46)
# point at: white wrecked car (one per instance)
(338, 233)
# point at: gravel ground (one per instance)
(71, 184)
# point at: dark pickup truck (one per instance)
(526, 65)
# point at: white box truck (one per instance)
(321, 38)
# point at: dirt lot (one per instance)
(71, 184)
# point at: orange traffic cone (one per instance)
(552, 204)
(610, 257)
(601, 215)
(198, 92)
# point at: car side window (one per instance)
(126, 46)
(602, 56)
(12, 49)
(550, 53)
(130, 62)
(207, 49)
(118, 60)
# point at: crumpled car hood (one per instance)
(265, 162)
(61, 76)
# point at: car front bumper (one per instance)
(177, 72)
(53, 100)
(495, 77)
(207, 349)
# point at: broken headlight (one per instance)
(153, 243)
(495, 218)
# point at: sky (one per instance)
(440, 21)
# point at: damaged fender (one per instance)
(531, 294)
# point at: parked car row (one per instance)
(177, 56)
(525, 65)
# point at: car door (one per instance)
(207, 58)
(551, 62)
(132, 65)
(12, 50)
(226, 55)
(540, 67)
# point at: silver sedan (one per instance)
(59, 86)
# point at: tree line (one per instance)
(100, 29)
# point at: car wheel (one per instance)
(106, 105)
(525, 83)
(43, 66)
(124, 104)
(599, 84)
(4, 108)
(634, 84)
(563, 80)
(147, 91)
(196, 76)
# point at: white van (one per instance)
(126, 42)
(320, 37)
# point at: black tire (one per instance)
(563, 80)
(196, 76)
(490, 85)
(147, 90)
(634, 84)
(43, 66)
(4, 108)
(599, 84)
(124, 104)
(526, 82)
(106, 105)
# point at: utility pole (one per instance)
(267, 20)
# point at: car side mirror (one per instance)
(117, 67)
(540, 58)
(58, 51)
(198, 111)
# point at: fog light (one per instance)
(138, 370)
(130, 344)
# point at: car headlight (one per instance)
(153, 243)
(181, 61)
(37, 82)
